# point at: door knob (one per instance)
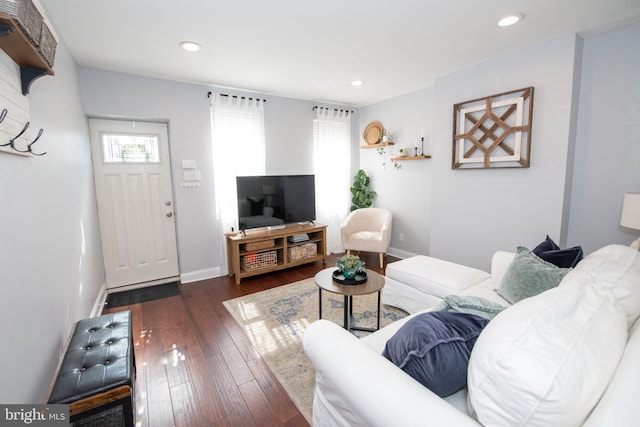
(168, 203)
(169, 214)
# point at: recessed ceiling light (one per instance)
(357, 83)
(510, 20)
(190, 46)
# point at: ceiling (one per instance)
(313, 50)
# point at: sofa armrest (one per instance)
(366, 389)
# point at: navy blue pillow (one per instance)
(549, 251)
(434, 348)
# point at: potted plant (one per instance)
(350, 265)
(361, 195)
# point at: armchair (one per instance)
(367, 230)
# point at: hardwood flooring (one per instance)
(195, 366)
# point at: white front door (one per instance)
(132, 176)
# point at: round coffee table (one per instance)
(374, 283)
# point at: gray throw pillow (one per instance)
(529, 275)
(472, 305)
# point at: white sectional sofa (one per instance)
(568, 356)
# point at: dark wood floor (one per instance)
(195, 366)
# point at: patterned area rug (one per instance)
(275, 320)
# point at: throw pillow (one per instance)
(471, 304)
(548, 359)
(528, 275)
(434, 348)
(549, 251)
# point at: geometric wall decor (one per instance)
(493, 132)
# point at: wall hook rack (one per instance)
(12, 141)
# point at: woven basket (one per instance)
(27, 16)
(256, 246)
(48, 45)
(259, 260)
(308, 250)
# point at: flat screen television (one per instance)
(275, 200)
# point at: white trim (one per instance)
(398, 253)
(101, 301)
(195, 276)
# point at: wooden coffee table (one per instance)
(374, 283)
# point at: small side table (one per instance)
(374, 283)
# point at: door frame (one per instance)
(122, 122)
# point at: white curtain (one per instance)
(332, 137)
(237, 129)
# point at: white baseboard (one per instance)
(195, 276)
(101, 301)
(400, 253)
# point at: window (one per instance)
(129, 148)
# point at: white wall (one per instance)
(50, 258)
(608, 139)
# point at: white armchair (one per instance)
(367, 230)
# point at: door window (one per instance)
(129, 148)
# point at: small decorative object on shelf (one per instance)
(350, 265)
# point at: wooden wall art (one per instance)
(493, 132)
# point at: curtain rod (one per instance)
(334, 109)
(236, 96)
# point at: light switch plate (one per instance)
(188, 164)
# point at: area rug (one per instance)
(149, 293)
(275, 320)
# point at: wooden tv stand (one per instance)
(257, 243)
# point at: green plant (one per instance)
(361, 195)
(349, 262)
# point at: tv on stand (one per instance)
(273, 201)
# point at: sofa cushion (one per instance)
(471, 304)
(434, 276)
(615, 267)
(434, 348)
(547, 359)
(549, 251)
(528, 275)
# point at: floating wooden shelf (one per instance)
(381, 144)
(420, 157)
(16, 44)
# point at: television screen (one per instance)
(275, 200)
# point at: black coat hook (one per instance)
(33, 142)
(24, 129)
(3, 115)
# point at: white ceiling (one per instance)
(313, 50)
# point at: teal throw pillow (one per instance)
(470, 304)
(529, 275)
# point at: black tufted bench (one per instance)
(98, 369)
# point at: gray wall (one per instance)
(607, 161)
(406, 191)
(289, 148)
(50, 258)
(585, 152)
(480, 211)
